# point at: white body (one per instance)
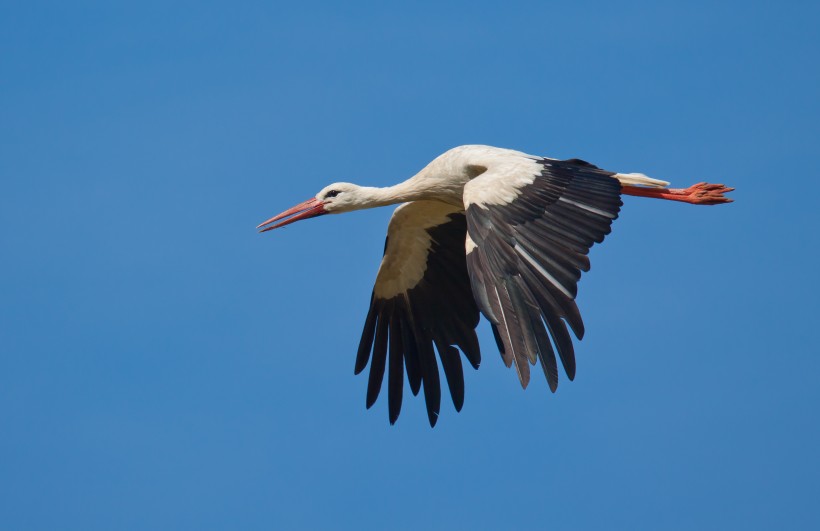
(446, 176)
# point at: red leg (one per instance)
(697, 194)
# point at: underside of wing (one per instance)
(421, 304)
(529, 236)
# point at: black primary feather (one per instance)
(439, 310)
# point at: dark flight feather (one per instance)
(438, 311)
(528, 260)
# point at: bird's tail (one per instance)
(639, 179)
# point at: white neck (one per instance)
(405, 192)
(434, 182)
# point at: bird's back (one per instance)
(444, 178)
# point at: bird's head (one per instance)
(332, 199)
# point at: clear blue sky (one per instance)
(163, 366)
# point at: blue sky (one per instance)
(163, 366)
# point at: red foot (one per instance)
(697, 194)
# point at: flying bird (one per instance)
(483, 231)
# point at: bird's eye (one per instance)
(332, 193)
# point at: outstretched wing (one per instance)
(422, 298)
(531, 224)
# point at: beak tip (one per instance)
(308, 209)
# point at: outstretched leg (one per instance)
(697, 194)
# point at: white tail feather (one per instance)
(639, 179)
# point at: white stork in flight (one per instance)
(489, 230)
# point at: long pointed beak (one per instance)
(308, 209)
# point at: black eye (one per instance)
(332, 193)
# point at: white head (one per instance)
(344, 197)
(333, 199)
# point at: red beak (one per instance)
(309, 209)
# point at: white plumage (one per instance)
(408, 243)
(486, 230)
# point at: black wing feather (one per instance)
(379, 360)
(438, 311)
(451, 363)
(395, 375)
(366, 343)
(411, 356)
(528, 260)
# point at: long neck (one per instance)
(430, 183)
(404, 192)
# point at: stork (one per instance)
(482, 231)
